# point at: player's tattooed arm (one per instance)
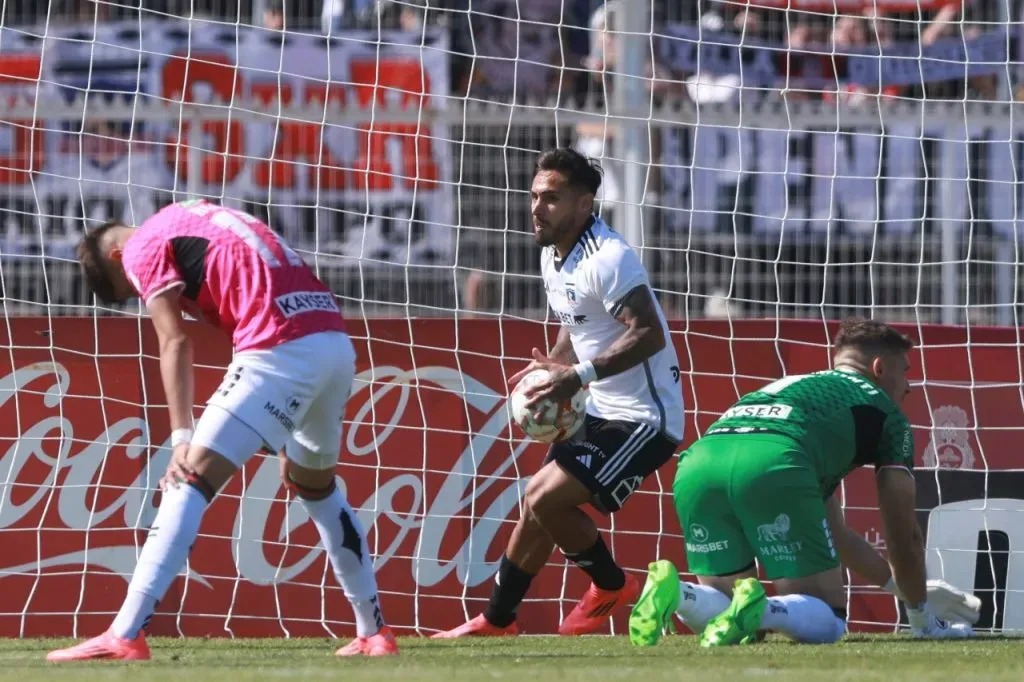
(563, 351)
(562, 356)
(644, 335)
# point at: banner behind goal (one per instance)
(778, 169)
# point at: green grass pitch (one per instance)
(535, 659)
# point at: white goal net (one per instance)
(778, 169)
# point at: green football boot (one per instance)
(739, 623)
(652, 613)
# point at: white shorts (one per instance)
(291, 396)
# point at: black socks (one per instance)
(597, 562)
(508, 593)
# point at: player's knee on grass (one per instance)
(810, 609)
(804, 618)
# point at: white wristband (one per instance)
(181, 437)
(586, 372)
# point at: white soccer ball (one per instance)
(556, 422)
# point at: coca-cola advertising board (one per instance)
(433, 468)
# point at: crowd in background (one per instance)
(567, 42)
(714, 214)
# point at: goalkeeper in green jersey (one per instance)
(759, 484)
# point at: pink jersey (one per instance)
(233, 272)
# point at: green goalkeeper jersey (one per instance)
(841, 419)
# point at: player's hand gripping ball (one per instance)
(554, 421)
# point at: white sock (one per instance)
(136, 610)
(345, 542)
(805, 619)
(173, 532)
(698, 604)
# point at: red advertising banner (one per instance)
(428, 461)
(381, 190)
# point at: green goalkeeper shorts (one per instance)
(745, 496)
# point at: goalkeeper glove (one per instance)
(946, 601)
(925, 624)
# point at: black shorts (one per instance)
(612, 458)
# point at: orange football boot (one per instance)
(107, 646)
(597, 606)
(380, 644)
(478, 627)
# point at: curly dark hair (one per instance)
(580, 171)
(871, 336)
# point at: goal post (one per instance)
(778, 169)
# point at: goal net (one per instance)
(778, 164)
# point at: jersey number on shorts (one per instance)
(239, 223)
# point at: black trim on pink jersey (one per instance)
(190, 255)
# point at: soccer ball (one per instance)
(558, 421)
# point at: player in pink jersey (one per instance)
(228, 268)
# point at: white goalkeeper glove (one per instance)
(947, 602)
(925, 624)
(952, 604)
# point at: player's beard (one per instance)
(546, 235)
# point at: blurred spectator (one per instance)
(478, 293)
(273, 15)
(402, 15)
(593, 138)
(406, 15)
(853, 33)
(940, 26)
(519, 48)
(703, 87)
(332, 16)
(338, 15)
(850, 32)
(603, 48)
(83, 11)
(750, 23)
(603, 54)
(962, 22)
(807, 72)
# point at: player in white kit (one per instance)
(231, 270)
(613, 339)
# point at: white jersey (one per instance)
(585, 291)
